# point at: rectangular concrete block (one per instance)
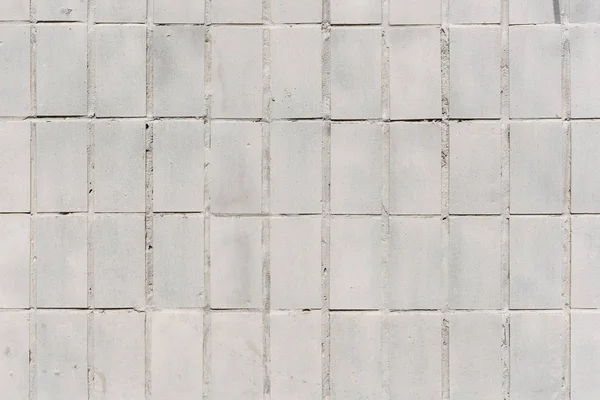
(293, 11)
(119, 267)
(585, 355)
(583, 11)
(119, 355)
(62, 164)
(475, 11)
(295, 262)
(296, 72)
(356, 364)
(475, 168)
(120, 70)
(537, 258)
(178, 11)
(236, 11)
(475, 72)
(537, 167)
(120, 11)
(15, 59)
(178, 261)
(356, 252)
(178, 64)
(475, 263)
(177, 356)
(296, 167)
(61, 10)
(61, 355)
(237, 72)
(61, 261)
(476, 356)
(585, 84)
(15, 167)
(585, 186)
(235, 173)
(178, 165)
(355, 11)
(415, 72)
(119, 166)
(535, 72)
(61, 69)
(14, 260)
(534, 12)
(415, 12)
(415, 356)
(585, 254)
(237, 356)
(355, 73)
(14, 362)
(537, 348)
(14, 10)
(415, 168)
(356, 172)
(415, 263)
(236, 263)
(296, 355)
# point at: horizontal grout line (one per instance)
(297, 310)
(255, 215)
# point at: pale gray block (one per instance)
(177, 357)
(296, 355)
(415, 72)
(236, 264)
(585, 82)
(585, 256)
(537, 167)
(237, 72)
(356, 172)
(14, 261)
(296, 168)
(533, 12)
(13, 10)
(475, 168)
(236, 11)
(475, 263)
(295, 262)
(61, 10)
(537, 349)
(178, 261)
(120, 70)
(476, 356)
(237, 356)
(119, 355)
(119, 267)
(415, 168)
(61, 261)
(178, 165)
(415, 356)
(296, 72)
(356, 365)
(355, 73)
(355, 11)
(475, 72)
(414, 268)
(15, 166)
(294, 11)
(119, 170)
(584, 11)
(475, 11)
(235, 167)
(120, 11)
(61, 69)
(585, 355)
(355, 274)
(179, 11)
(62, 166)
(61, 355)
(178, 64)
(585, 185)
(535, 71)
(537, 259)
(14, 364)
(15, 69)
(417, 12)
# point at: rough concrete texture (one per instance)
(299, 199)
